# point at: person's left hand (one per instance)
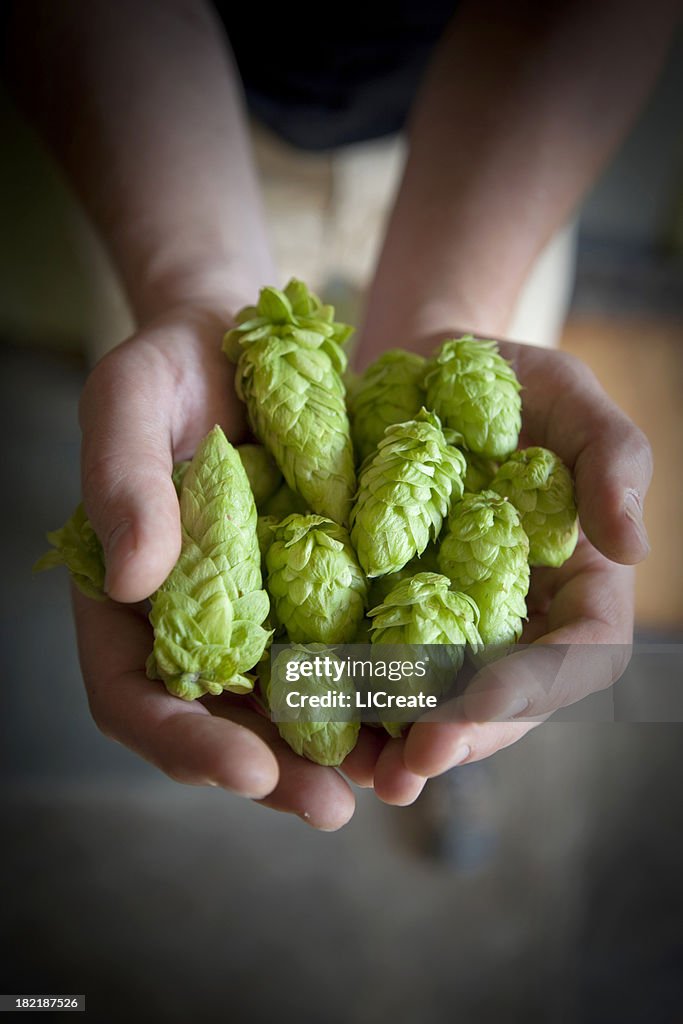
(587, 604)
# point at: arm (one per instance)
(520, 110)
(141, 104)
(518, 114)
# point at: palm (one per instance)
(221, 740)
(588, 603)
(201, 380)
(574, 597)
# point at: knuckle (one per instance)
(167, 740)
(98, 384)
(643, 452)
(101, 480)
(631, 445)
(102, 473)
(573, 368)
(100, 716)
(621, 659)
(566, 360)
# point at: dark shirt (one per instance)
(326, 76)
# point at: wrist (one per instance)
(216, 288)
(430, 281)
(421, 320)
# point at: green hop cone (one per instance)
(423, 610)
(77, 546)
(362, 635)
(178, 474)
(480, 472)
(404, 493)
(484, 538)
(390, 391)
(333, 735)
(284, 503)
(540, 487)
(289, 373)
(208, 614)
(501, 618)
(264, 477)
(381, 586)
(475, 392)
(485, 554)
(318, 589)
(265, 528)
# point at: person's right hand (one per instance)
(146, 405)
(578, 635)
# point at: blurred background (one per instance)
(546, 888)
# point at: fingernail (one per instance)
(120, 537)
(633, 508)
(306, 818)
(461, 754)
(516, 707)
(459, 757)
(116, 536)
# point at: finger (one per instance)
(552, 673)
(566, 409)
(126, 469)
(316, 794)
(181, 738)
(359, 765)
(394, 782)
(432, 748)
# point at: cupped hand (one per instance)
(146, 405)
(587, 604)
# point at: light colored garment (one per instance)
(327, 214)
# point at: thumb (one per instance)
(126, 466)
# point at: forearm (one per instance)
(517, 115)
(142, 105)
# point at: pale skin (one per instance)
(142, 104)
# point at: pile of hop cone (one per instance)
(395, 510)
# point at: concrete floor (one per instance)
(186, 904)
